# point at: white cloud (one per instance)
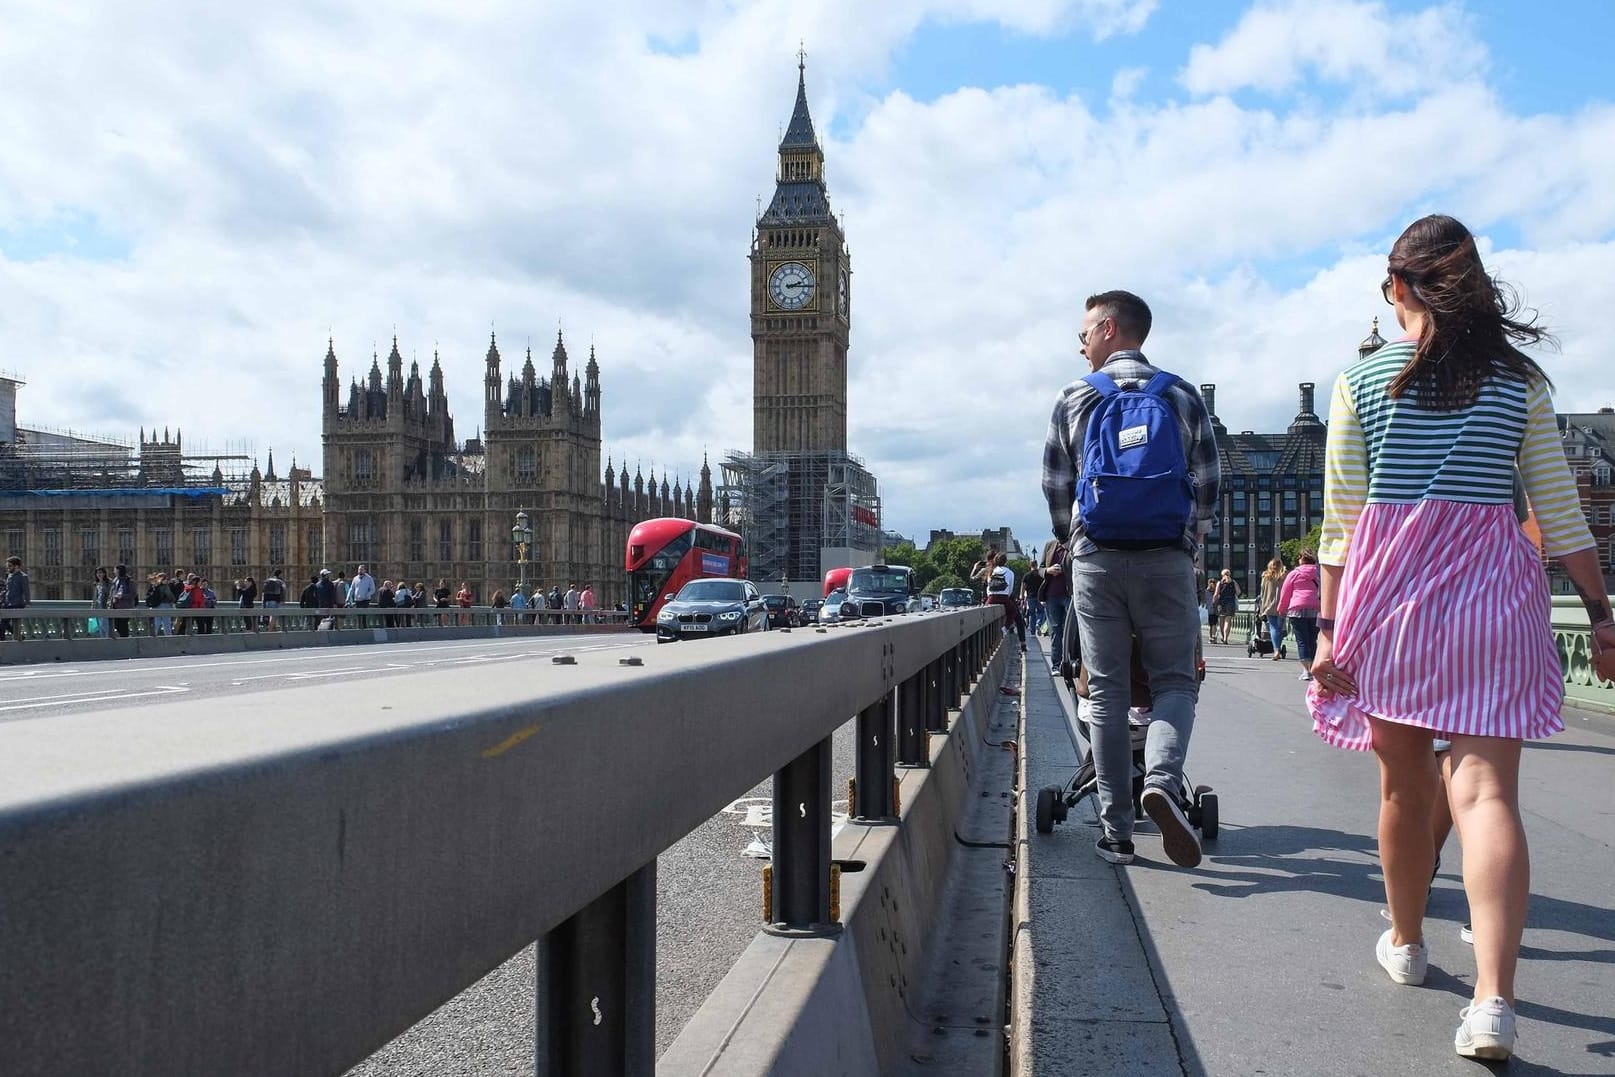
(350, 170)
(1275, 45)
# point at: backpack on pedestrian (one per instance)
(1135, 489)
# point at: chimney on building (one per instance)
(1306, 398)
(1208, 393)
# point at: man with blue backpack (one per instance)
(1131, 476)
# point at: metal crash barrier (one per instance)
(283, 882)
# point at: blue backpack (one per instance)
(1135, 486)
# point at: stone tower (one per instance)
(800, 303)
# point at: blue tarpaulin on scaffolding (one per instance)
(133, 491)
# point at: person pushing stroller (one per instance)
(1131, 478)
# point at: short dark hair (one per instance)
(14, 561)
(1130, 313)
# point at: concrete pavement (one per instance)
(1261, 960)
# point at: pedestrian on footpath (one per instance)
(1224, 605)
(1267, 608)
(274, 596)
(123, 598)
(1001, 592)
(1130, 447)
(1298, 600)
(15, 595)
(1434, 615)
(1056, 600)
(101, 599)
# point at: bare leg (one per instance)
(1497, 865)
(1441, 814)
(1409, 783)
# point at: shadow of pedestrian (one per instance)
(1560, 746)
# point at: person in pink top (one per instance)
(1298, 600)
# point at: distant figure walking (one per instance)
(1434, 613)
(1298, 600)
(1268, 607)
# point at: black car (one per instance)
(878, 590)
(809, 613)
(783, 611)
(711, 607)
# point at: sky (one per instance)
(194, 197)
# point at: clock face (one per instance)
(843, 296)
(790, 286)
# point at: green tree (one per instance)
(937, 584)
(905, 553)
(1290, 549)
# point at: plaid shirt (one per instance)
(1062, 450)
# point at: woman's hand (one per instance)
(1603, 648)
(1330, 678)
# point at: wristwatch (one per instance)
(1326, 624)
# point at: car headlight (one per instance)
(729, 615)
(666, 615)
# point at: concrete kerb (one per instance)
(41, 652)
(815, 1007)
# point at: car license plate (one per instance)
(694, 628)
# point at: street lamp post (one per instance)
(522, 536)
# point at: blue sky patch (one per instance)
(69, 233)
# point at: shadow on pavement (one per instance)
(1559, 746)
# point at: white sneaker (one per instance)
(1403, 964)
(1304, 675)
(1485, 1030)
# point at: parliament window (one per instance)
(201, 547)
(53, 546)
(445, 540)
(417, 541)
(238, 545)
(277, 546)
(360, 541)
(473, 539)
(362, 468)
(526, 463)
(316, 544)
(90, 547)
(126, 546)
(15, 546)
(162, 540)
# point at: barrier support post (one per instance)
(873, 767)
(800, 874)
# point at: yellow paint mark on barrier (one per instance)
(509, 742)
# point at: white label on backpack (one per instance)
(1133, 437)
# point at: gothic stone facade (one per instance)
(406, 498)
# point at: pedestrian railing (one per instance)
(57, 620)
(281, 882)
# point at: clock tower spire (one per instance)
(800, 311)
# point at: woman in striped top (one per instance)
(1435, 614)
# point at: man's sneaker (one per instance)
(1466, 934)
(1485, 1030)
(1117, 852)
(1178, 839)
(1404, 964)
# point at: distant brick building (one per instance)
(1589, 440)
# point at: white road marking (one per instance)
(40, 674)
(100, 697)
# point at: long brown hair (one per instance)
(1473, 322)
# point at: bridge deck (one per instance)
(1262, 959)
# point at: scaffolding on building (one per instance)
(42, 459)
(790, 506)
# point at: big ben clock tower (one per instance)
(800, 303)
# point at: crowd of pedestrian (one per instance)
(182, 601)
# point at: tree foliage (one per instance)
(1290, 549)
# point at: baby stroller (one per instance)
(1261, 643)
(1054, 803)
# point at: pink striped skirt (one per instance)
(1444, 621)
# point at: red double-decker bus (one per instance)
(665, 554)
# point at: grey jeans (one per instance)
(1115, 596)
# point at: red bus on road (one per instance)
(665, 554)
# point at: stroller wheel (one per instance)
(1208, 816)
(1250, 651)
(1046, 798)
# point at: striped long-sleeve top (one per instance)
(1382, 449)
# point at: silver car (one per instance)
(712, 607)
(830, 612)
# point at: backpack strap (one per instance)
(1102, 383)
(1160, 383)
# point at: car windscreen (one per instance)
(869, 579)
(775, 602)
(712, 591)
(836, 598)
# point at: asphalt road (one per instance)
(709, 890)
